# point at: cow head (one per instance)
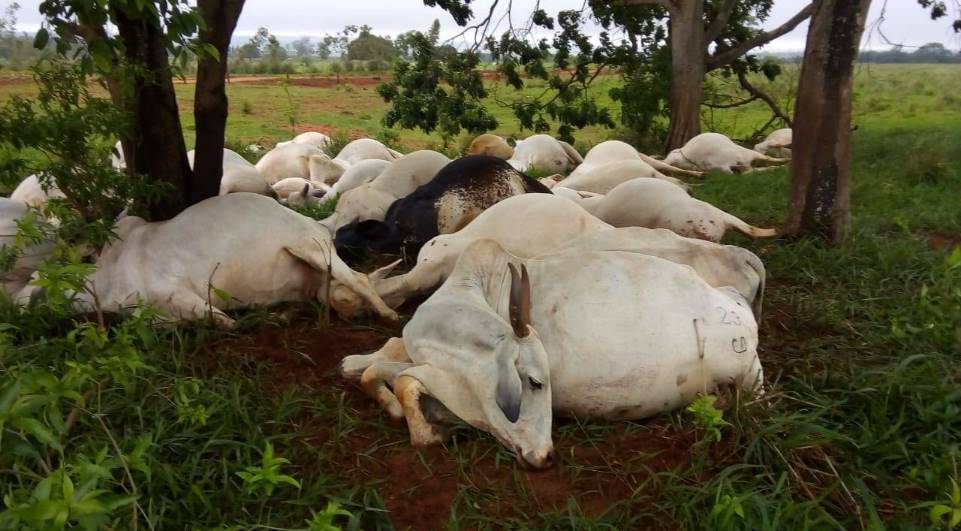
(491, 372)
(357, 239)
(677, 159)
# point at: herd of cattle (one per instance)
(600, 291)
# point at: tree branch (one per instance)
(667, 4)
(727, 56)
(717, 25)
(757, 93)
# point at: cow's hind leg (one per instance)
(189, 306)
(352, 367)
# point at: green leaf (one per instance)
(41, 38)
(38, 430)
(955, 493)
(937, 513)
(39, 511)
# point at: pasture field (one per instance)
(861, 344)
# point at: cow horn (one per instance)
(520, 301)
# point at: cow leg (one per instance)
(358, 282)
(352, 367)
(191, 307)
(422, 432)
(374, 381)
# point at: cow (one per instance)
(260, 254)
(318, 140)
(654, 203)
(239, 175)
(291, 186)
(32, 192)
(358, 175)
(714, 151)
(546, 153)
(295, 159)
(493, 145)
(29, 256)
(778, 142)
(371, 200)
(531, 225)
(460, 192)
(330, 170)
(505, 343)
(603, 178)
(615, 150)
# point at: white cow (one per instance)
(371, 200)
(292, 160)
(318, 140)
(30, 256)
(356, 151)
(597, 334)
(245, 245)
(544, 152)
(654, 203)
(32, 192)
(239, 175)
(603, 178)
(531, 225)
(714, 151)
(358, 175)
(778, 142)
(615, 150)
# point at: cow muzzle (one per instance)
(541, 459)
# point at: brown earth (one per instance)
(942, 240)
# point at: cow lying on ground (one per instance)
(714, 151)
(400, 179)
(331, 170)
(318, 140)
(460, 192)
(590, 334)
(292, 160)
(31, 255)
(493, 145)
(260, 254)
(32, 192)
(654, 203)
(603, 178)
(239, 175)
(778, 143)
(615, 150)
(546, 153)
(518, 223)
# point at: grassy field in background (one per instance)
(860, 342)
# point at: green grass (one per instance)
(859, 427)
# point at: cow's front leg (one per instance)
(352, 367)
(375, 380)
(422, 432)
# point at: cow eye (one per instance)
(535, 385)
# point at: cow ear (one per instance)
(508, 389)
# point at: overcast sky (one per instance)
(905, 21)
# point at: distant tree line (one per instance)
(933, 52)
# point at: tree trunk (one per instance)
(820, 175)
(157, 148)
(687, 72)
(210, 98)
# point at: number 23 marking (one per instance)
(729, 318)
